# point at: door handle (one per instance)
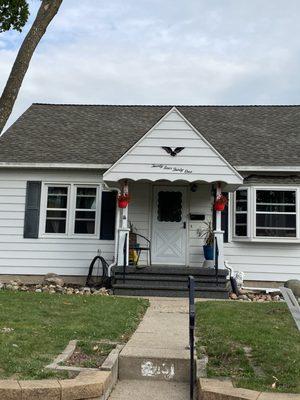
(184, 225)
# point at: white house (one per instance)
(61, 165)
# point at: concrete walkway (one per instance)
(155, 362)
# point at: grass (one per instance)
(43, 324)
(225, 328)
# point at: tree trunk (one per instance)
(46, 13)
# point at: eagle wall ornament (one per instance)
(172, 152)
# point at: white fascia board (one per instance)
(54, 165)
(262, 168)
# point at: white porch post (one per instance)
(123, 234)
(219, 234)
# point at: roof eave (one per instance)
(54, 165)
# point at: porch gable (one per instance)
(173, 150)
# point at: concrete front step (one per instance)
(172, 270)
(169, 291)
(171, 278)
(149, 282)
(137, 390)
(154, 368)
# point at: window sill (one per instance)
(267, 240)
(45, 236)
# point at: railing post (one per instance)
(123, 234)
(125, 256)
(191, 285)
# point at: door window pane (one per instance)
(169, 207)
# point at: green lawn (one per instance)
(225, 328)
(44, 323)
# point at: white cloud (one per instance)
(148, 51)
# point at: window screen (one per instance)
(169, 206)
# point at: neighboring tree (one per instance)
(14, 15)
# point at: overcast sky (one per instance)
(163, 52)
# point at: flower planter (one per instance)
(208, 252)
(219, 206)
(220, 203)
(123, 200)
(122, 203)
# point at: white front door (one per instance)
(169, 225)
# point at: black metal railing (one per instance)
(125, 257)
(216, 253)
(192, 315)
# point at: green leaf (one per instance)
(13, 14)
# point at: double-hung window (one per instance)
(266, 213)
(71, 210)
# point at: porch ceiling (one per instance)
(173, 150)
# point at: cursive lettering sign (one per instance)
(179, 170)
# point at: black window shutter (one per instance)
(32, 209)
(224, 221)
(108, 216)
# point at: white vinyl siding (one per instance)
(266, 261)
(64, 256)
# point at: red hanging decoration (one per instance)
(123, 200)
(220, 202)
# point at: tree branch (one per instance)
(46, 13)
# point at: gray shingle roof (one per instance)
(244, 135)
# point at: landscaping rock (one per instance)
(250, 295)
(294, 285)
(53, 279)
(50, 287)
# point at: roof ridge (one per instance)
(165, 105)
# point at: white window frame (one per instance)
(286, 189)
(71, 208)
(251, 220)
(234, 236)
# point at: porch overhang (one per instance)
(174, 151)
(230, 186)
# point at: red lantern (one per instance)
(123, 200)
(220, 203)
